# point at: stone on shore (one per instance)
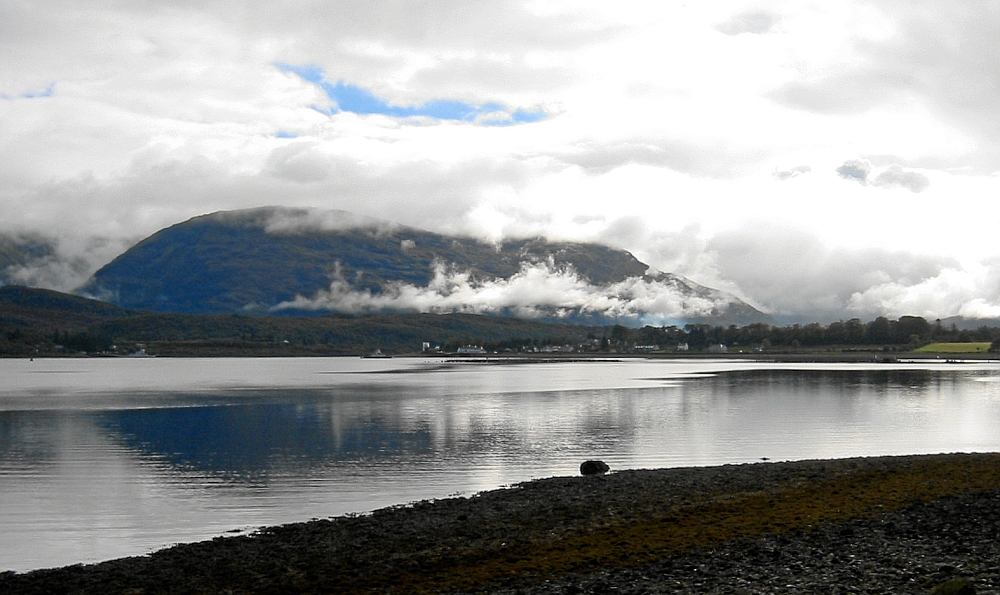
(594, 468)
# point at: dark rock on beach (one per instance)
(908, 525)
(594, 468)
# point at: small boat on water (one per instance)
(377, 354)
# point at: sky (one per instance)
(820, 160)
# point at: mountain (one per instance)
(276, 260)
(33, 321)
(963, 323)
(44, 310)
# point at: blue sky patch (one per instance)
(354, 99)
(285, 134)
(46, 92)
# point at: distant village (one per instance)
(587, 346)
(908, 333)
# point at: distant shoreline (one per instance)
(853, 357)
(767, 357)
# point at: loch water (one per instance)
(104, 458)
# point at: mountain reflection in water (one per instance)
(843, 382)
(249, 441)
(107, 458)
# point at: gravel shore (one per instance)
(916, 524)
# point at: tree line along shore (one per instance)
(233, 335)
(35, 322)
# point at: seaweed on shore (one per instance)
(537, 534)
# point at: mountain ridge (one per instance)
(274, 260)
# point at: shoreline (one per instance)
(637, 531)
(855, 357)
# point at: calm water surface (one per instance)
(102, 458)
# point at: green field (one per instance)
(954, 348)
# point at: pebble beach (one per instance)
(912, 524)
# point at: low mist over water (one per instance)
(101, 458)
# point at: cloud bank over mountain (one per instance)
(538, 290)
(860, 134)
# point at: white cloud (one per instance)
(672, 129)
(980, 308)
(928, 53)
(896, 177)
(69, 265)
(972, 293)
(787, 174)
(792, 275)
(755, 21)
(537, 290)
